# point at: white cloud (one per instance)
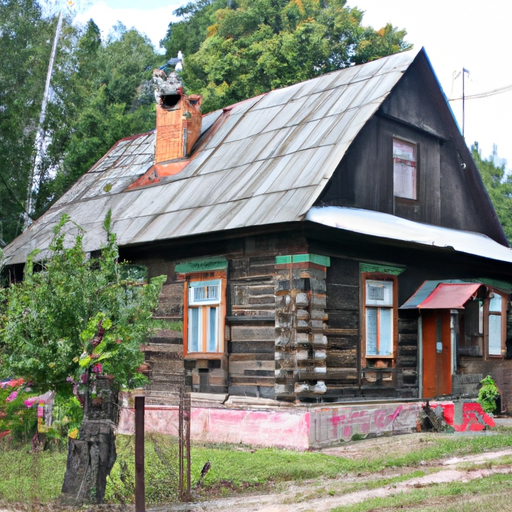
(152, 22)
(460, 34)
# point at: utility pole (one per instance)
(40, 134)
(464, 71)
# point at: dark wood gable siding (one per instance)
(364, 179)
(450, 190)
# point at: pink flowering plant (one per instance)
(18, 420)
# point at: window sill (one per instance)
(379, 357)
(204, 355)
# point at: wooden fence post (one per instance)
(140, 490)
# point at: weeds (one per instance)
(26, 476)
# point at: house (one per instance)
(329, 247)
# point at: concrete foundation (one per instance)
(299, 427)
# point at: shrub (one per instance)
(488, 395)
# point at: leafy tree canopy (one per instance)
(99, 94)
(499, 186)
(76, 315)
(24, 35)
(241, 48)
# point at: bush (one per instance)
(488, 395)
(17, 421)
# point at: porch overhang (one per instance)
(391, 227)
(442, 295)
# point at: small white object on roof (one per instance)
(384, 225)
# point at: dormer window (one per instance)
(405, 172)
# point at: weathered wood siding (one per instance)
(343, 348)
(250, 326)
(407, 354)
(248, 368)
(346, 376)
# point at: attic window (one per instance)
(171, 101)
(405, 172)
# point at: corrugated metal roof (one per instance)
(267, 162)
(384, 225)
(449, 296)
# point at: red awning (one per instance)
(449, 296)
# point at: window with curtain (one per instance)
(379, 318)
(204, 326)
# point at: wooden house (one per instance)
(328, 242)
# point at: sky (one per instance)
(457, 34)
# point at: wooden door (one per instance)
(437, 353)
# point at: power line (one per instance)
(500, 90)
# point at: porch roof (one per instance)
(444, 296)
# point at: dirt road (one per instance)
(322, 495)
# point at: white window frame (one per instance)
(379, 309)
(495, 332)
(204, 321)
(405, 169)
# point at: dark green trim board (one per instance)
(325, 261)
(201, 265)
(504, 286)
(381, 269)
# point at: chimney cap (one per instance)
(166, 85)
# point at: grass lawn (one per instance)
(27, 477)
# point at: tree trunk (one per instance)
(92, 456)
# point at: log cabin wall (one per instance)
(164, 349)
(343, 348)
(248, 368)
(349, 374)
(250, 325)
(300, 316)
(407, 355)
(306, 348)
(291, 329)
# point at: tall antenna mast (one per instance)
(40, 134)
(464, 71)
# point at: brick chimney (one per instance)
(178, 118)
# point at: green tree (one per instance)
(67, 323)
(498, 184)
(25, 40)
(76, 314)
(252, 46)
(100, 94)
